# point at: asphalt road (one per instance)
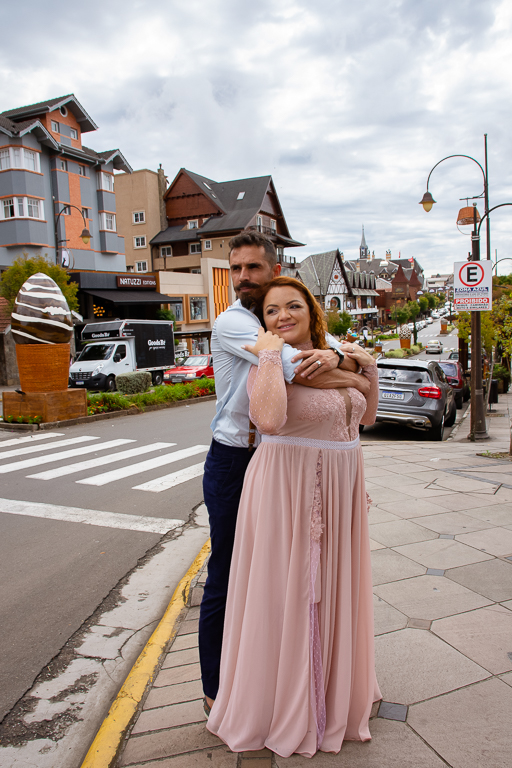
(55, 572)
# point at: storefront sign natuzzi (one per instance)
(144, 281)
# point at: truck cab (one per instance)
(98, 365)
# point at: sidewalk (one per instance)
(441, 537)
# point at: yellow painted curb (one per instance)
(105, 747)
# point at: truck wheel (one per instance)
(111, 384)
(157, 378)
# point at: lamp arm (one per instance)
(69, 205)
(505, 258)
(448, 158)
(501, 205)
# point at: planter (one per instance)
(378, 347)
(405, 343)
(43, 367)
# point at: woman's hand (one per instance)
(360, 355)
(266, 340)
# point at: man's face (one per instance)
(249, 270)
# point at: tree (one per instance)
(338, 323)
(25, 266)
(442, 298)
(431, 300)
(414, 310)
(165, 314)
(400, 314)
(491, 331)
(424, 303)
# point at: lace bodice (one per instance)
(277, 408)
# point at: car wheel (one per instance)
(459, 400)
(450, 421)
(157, 378)
(467, 394)
(436, 433)
(111, 384)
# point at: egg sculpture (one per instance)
(42, 327)
(41, 314)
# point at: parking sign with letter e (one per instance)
(472, 286)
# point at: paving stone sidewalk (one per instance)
(441, 538)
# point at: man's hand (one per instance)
(317, 361)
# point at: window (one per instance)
(195, 247)
(139, 242)
(106, 181)
(272, 225)
(108, 221)
(18, 157)
(141, 266)
(241, 195)
(259, 223)
(66, 211)
(176, 305)
(198, 308)
(166, 250)
(139, 217)
(195, 271)
(207, 245)
(193, 224)
(64, 112)
(121, 351)
(74, 133)
(62, 165)
(82, 170)
(280, 251)
(86, 213)
(22, 208)
(55, 126)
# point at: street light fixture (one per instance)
(470, 215)
(85, 235)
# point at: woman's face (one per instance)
(286, 314)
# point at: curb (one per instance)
(108, 741)
(133, 411)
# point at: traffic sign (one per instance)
(472, 286)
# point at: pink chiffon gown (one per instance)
(297, 668)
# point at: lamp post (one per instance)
(85, 236)
(478, 426)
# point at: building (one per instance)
(140, 214)
(439, 283)
(52, 187)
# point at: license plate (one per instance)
(79, 383)
(392, 395)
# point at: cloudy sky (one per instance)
(347, 105)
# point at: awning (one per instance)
(367, 311)
(130, 297)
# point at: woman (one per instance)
(297, 671)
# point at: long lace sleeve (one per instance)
(372, 398)
(267, 393)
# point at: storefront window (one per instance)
(176, 306)
(198, 308)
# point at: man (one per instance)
(253, 262)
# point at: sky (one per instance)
(347, 105)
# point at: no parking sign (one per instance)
(472, 285)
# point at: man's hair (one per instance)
(255, 239)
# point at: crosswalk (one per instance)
(25, 453)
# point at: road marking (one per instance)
(34, 462)
(89, 516)
(30, 439)
(143, 466)
(170, 481)
(37, 448)
(50, 474)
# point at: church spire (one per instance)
(363, 248)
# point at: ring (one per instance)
(318, 362)
(353, 349)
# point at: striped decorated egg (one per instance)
(41, 314)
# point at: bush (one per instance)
(398, 353)
(132, 383)
(501, 372)
(113, 401)
(415, 349)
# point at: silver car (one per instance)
(415, 393)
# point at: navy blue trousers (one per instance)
(223, 479)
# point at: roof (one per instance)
(129, 297)
(70, 102)
(315, 271)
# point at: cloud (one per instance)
(347, 107)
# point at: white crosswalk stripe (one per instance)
(143, 466)
(38, 448)
(30, 438)
(51, 474)
(170, 481)
(36, 461)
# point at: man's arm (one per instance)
(335, 379)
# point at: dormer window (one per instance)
(207, 186)
(241, 195)
(193, 224)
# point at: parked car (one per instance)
(194, 367)
(455, 377)
(434, 347)
(417, 394)
(429, 321)
(435, 315)
(453, 355)
(410, 326)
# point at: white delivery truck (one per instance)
(122, 346)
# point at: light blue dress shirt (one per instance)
(232, 329)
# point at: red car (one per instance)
(455, 376)
(194, 367)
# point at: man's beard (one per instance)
(247, 299)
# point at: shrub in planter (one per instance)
(133, 383)
(502, 373)
(398, 353)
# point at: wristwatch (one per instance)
(340, 354)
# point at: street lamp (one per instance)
(478, 426)
(85, 235)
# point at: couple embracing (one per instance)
(292, 643)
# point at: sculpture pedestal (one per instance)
(52, 406)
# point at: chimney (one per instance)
(358, 266)
(162, 189)
(388, 256)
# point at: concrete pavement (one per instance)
(441, 538)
